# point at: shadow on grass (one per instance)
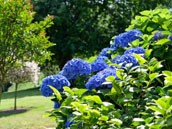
(22, 93)
(9, 112)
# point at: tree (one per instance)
(20, 39)
(29, 72)
(86, 26)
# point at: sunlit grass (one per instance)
(31, 119)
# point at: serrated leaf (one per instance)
(103, 118)
(57, 93)
(140, 59)
(166, 33)
(118, 73)
(95, 113)
(80, 92)
(68, 90)
(167, 73)
(94, 98)
(92, 59)
(163, 41)
(108, 105)
(118, 122)
(156, 109)
(110, 79)
(168, 78)
(47, 114)
(146, 12)
(153, 76)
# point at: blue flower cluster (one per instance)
(56, 81)
(99, 64)
(137, 50)
(170, 37)
(115, 58)
(105, 51)
(56, 105)
(157, 35)
(123, 39)
(127, 58)
(97, 80)
(170, 10)
(69, 123)
(74, 68)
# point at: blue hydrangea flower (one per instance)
(157, 36)
(127, 58)
(123, 39)
(170, 37)
(105, 51)
(170, 10)
(97, 80)
(74, 68)
(115, 58)
(99, 64)
(69, 123)
(137, 50)
(56, 105)
(56, 81)
(102, 57)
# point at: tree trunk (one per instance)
(1, 84)
(15, 97)
(0, 91)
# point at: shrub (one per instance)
(134, 91)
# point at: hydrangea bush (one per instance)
(129, 85)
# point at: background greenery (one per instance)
(82, 27)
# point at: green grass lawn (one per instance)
(31, 119)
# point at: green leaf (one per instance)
(103, 118)
(153, 76)
(167, 73)
(140, 59)
(168, 78)
(156, 109)
(166, 33)
(110, 79)
(80, 92)
(161, 104)
(95, 113)
(108, 105)
(163, 41)
(82, 107)
(118, 122)
(148, 52)
(92, 59)
(68, 90)
(48, 113)
(169, 121)
(117, 88)
(118, 73)
(146, 12)
(57, 94)
(94, 98)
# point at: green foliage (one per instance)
(83, 26)
(141, 97)
(21, 38)
(152, 21)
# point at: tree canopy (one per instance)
(86, 26)
(21, 39)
